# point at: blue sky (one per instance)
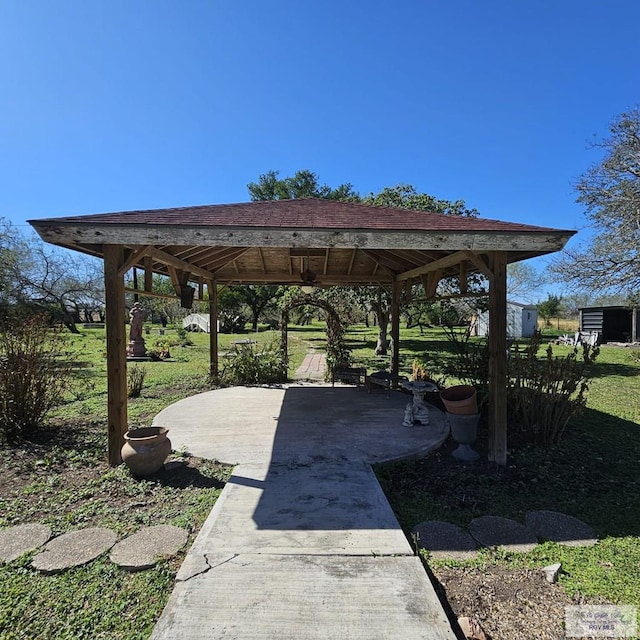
(122, 104)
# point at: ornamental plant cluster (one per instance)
(545, 390)
(249, 365)
(35, 372)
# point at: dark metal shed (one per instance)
(614, 324)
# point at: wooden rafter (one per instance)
(176, 263)
(134, 258)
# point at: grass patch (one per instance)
(61, 478)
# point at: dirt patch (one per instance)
(509, 604)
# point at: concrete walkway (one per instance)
(302, 542)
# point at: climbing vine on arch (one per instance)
(338, 354)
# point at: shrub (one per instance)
(33, 374)
(184, 340)
(546, 392)
(160, 350)
(135, 380)
(246, 365)
(470, 363)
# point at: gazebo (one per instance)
(308, 241)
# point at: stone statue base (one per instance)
(137, 348)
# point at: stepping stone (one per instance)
(494, 531)
(14, 541)
(73, 549)
(561, 528)
(145, 547)
(445, 540)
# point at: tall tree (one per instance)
(258, 298)
(303, 184)
(550, 308)
(307, 184)
(48, 279)
(524, 280)
(610, 192)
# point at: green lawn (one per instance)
(62, 479)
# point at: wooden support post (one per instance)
(395, 327)
(116, 352)
(498, 360)
(463, 277)
(148, 273)
(213, 329)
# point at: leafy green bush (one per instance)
(184, 340)
(135, 380)
(160, 350)
(546, 392)
(247, 365)
(470, 363)
(33, 374)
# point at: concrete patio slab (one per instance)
(325, 508)
(299, 424)
(302, 542)
(306, 597)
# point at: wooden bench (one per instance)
(385, 380)
(357, 375)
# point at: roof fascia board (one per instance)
(70, 234)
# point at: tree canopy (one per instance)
(305, 183)
(610, 193)
(47, 279)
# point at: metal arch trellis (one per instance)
(338, 355)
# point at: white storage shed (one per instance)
(522, 320)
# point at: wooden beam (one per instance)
(436, 265)
(294, 279)
(480, 265)
(212, 288)
(175, 278)
(498, 360)
(351, 261)
(408, 290)
(151, 294)
(148, 273)
(433, 279)
(462, 278)
(183, 265)
(134, 258)
(116, 351)
(395, 327)
(95, 233)
(455, 296)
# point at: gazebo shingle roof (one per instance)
(303, 213)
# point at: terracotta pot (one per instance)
(460, 400)
(145, 450)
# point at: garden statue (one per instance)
(137, 347)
